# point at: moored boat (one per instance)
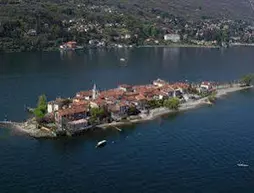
(242, 165)
(101, 143)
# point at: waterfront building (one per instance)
(172, 37)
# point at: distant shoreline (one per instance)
(178, 46)
(51, 49)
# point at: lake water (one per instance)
(195, 151)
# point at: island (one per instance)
(126, 104)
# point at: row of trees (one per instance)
(171, 103)
(247, 79)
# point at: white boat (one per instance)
(101, 143)
(122, 59)
(242, 165)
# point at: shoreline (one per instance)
(183, 107)
(178, 46)
(30, 129)
(53, 49)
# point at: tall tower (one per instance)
(94, 92)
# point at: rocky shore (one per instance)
(30, 128)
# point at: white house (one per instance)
(159, 82)
(172, 37)
(52, 107)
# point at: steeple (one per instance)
(94, 92)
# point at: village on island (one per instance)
(99, 109)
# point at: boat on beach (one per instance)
(101, 143)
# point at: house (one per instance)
(125, 88)
(178, 93)
(98, 103)
(77, 124)
(71, 44)
(159, 95)
(119, 110)
(159, 82)
(32, 32)
(127, 36)
(58, 104)
(206, 87)
(87, 95)
(172, 37)
(63, 116)
(169, 90)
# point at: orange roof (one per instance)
(140, 97)
(100, 102)
(111, 93)
(180, 85)
(71, 42)
(85, 93)
(80, 103)
(72, 111)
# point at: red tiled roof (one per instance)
(84, 93)
(179, 85)
(71, 42)
(111, 93)
(140, 97)
(125, 86)
(80, 103)
(72, 111)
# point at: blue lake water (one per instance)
(195, 151)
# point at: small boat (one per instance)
(242, 165)
(122, 59)
(101, 143)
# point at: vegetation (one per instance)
(212, 97)
(133, 111)
(45, 24)
(247, 79)
(97, 114)
(172, 103)
(152, 104)
(41, 109)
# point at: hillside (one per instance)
(230, 9)
(41, 24)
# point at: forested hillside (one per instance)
(27, 25)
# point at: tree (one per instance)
(247, 79)
(133, 111)
(212, 97)
(41, 108)
(172, 103)
(97, 113)
(42, 103)
(155, 103)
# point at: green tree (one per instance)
(172, 103)
(212, 97)
(42, 103)
(133, 111)
(155, 103)
(97, 113)
(41, 108)
(247, 79)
